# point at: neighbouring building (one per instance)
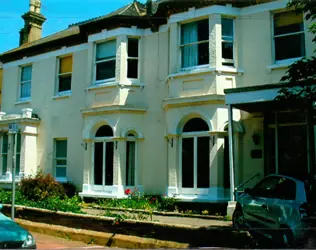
(136, 98)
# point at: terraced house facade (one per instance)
(136, 98)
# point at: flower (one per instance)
(116, 223)
(153, 199)
(127, 191)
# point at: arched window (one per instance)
(103, 157)
(195, 155)
(130, 159)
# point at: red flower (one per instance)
(153, 199)
(127, 191)
(116, 223)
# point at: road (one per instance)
(49, 242)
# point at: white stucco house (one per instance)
(136, 98)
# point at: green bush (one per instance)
(70, 189)
(41, 187)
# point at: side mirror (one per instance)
(247, 191)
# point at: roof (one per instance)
(134, 14)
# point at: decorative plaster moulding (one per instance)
(111, 109)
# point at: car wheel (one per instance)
(238, 219)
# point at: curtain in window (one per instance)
(130, 164)
(190, 52)
(25, 89)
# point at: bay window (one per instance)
(289, 38)
(195, 43)
(105, 62)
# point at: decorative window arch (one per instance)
(104, 131)
(195, 156)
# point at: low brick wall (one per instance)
(194, 236)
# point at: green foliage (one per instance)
(41, 187)
(70, 189)
(302, 74)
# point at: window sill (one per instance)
(62, 179)
(203, 70)
(23, 101)
(61, 95)
(283, 64)
(102, 86)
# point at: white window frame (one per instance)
(233, 61)
(67, 92)
(133, 58)
(132, 139)
(288, 60)
(195, 190)
(180, 46)
(103, 81)
(60, 179)
(24, 82)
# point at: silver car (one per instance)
(280, 208)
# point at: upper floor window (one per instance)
(195, 43)
(228, 41)
(289, 39)
(132, 58)
(64, 74)
(105, 61)
(26, 82)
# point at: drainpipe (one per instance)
(231, 152)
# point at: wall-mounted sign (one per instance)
(13, 128)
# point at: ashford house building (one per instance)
(136, 98)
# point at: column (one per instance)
(173, 168)
(215, 44)
(118, 168)
(121, 59)
(231, 152)
(88, 148)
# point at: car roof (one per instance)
(285, 176)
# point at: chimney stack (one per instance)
(33, 21)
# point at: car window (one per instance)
(266, 188)
(286, 189)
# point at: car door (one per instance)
(255, 204)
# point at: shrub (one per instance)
(41, 187)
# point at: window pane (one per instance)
(203, 30)
(288, 22)
(130, 163)
(4, 164)
(61, 162)
(189, 56)
(132, 68)
(106, 70)
(291, 46)
(132, 47)
(98, 163)
(17, 164)
(189, 33)
(25, 89)
(104, 131)
(18, 144)
(106, 50)
(65, 64)
(109, 163)
(188, 162)
(227, 27)
(203, 162)
(227, 50)
(61, 148)
(26, 73)
(286, 190)
(61, 172)
(203, 53)
(266, 188)
(64, 83)
(5, 143)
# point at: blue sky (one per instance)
(59, 14)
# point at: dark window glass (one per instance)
(291, 46)
(132, 47)
(130, 163)
(104, 131)
(132, 68)
(195, 124)
(227, 50)
(105, 70)
(203, 162)
(109, 164)
(203, 54)
(64, 83)
(188, 162)
(98, 163)
(266, 188)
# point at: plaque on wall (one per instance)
(256, 153)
